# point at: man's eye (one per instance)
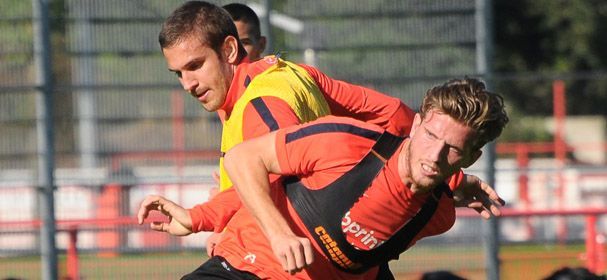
(194, 66)
(178, 74)
(456, 151)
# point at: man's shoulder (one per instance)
(254, 68)
(275, 60)
(263, 63)
(333, 123)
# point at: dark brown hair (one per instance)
(207, 22)
(243, 13)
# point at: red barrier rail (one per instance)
(594, 255)
(66, 225)
(72, 227)
(595, 252)
(509, 212)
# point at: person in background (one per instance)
(249, 30)
(440, 275)
(574, 273)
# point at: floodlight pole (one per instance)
(84, 75)
(269, 18)
(484, 55)
(267, 26)
(44, 119)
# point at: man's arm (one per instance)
(471, 192)
(215, 213)
(179, 224)
(363, 103)
(210, 216)
(372, 106)
(476, 194)
(249, 172)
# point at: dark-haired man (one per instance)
(249, 30)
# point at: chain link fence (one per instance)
(123, 128)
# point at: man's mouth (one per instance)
(428, 170)
(202, 97)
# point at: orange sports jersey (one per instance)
(344, 99)
(269, 113)
(319, 154)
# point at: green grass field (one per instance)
(518, 262)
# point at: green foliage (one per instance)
(549, 35)
(15, 9)
(546, 38)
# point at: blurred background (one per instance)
(91, 121)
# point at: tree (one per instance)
(548, 39)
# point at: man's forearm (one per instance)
(249, 165)
(249, 171)
(214, 214)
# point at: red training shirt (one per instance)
(320, 159)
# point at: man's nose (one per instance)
(188, 82)
(437, 151)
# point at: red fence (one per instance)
(593, 257)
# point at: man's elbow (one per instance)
(230, 159)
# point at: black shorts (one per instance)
(217, 268)
(384, 272)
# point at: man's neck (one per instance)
(233, 93)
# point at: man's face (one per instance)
(201, 72)
(254, 46)
(439, 147)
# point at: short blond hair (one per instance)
(469, 102)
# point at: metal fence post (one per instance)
(484, 55)
(46, 181)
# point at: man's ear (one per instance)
(262, 44)
(473, 158)
(230, 49)
(417, 121)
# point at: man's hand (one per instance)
(294, 253)
(249, 172)
(180, 222)
(478, 195)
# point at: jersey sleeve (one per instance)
(265, 114)
(456, 180)
(401, 121)
(363, 103)
(215, 213)
(325, 147)
(290, 155)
